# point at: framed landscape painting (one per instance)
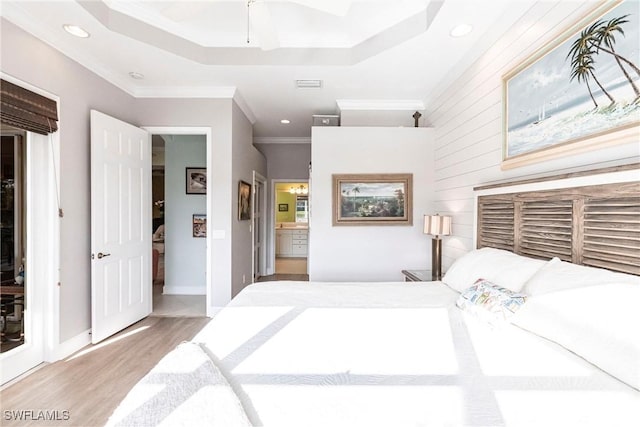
(584, 86)
(373, 199)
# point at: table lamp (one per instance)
(437, 225)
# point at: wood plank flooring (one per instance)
(91, 383)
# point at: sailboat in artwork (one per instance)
(541, 114)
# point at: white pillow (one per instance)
(560, 275)
(598, 323)
(500, 267)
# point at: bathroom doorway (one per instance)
(291, 214)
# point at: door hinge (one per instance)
(60, 212)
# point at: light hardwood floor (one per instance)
(91, 383)
(291, 265)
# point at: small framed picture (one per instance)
(244, 201)
(199, 224)
(283, 207)
(196, 180)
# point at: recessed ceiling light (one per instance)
(136, 76)
(461, 30)
(285, 121)
(76, 31)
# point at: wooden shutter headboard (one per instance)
(597, 226)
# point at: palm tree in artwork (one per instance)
(355, 190)
(581, 54)
(605, 39)
(582, 72)
(345, 194)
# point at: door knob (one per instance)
(101, 255)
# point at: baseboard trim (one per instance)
(70, 346)
(184, 290)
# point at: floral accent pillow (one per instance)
(490, 302)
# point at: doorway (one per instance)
(259, 264)
(179, 224)
(13, 236)
(29, 251)
(291, 212)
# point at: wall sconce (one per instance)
(299, 190)
(437, 226)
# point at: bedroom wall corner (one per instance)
(368, 253)
(467, 121)
(245, 159)
(79, 91)
(215, 114)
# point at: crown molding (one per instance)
(380, 104)
(281, 140)
(222, 92)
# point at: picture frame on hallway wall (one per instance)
(372, 199)
(199, 225)
(244, 201)
(579, 92)
(283, 207)
(196, 179)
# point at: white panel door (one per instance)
(120, 225)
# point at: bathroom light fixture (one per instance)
(137, 76)
(285, 121)
(75, 30)
(461, 30)
(299, 190)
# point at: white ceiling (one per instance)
(382, 54)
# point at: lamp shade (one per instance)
(437, 225)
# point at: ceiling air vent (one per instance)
(308, 84)
(326, 120)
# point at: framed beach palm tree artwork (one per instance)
(578, 91)
(373, 199)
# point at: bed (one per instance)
(505, 339)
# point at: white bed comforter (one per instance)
(394, 354)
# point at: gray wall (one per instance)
(246, 159)
(287, 161)
(80, 91)
(26, 58)
(184, 255)
(284, 161)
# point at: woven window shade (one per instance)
(27, 110)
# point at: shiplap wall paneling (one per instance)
(467, 119)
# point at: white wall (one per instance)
(246, 159)
(468, 124)
(185, 255)
(368, 253)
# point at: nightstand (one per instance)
(417, 275)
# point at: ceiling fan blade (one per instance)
(334, 7)
(180, 11)
(262, 25)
